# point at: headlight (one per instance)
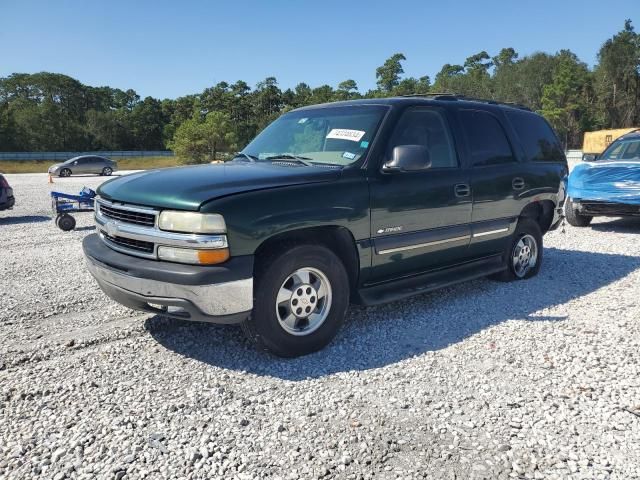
(188, 255)
(191, 222)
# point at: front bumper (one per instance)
(606, 209)
(219, 294)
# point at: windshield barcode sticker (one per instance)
(346, 134)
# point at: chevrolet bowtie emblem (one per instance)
(112, 229)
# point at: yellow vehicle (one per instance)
(596, 142)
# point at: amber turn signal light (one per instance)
(211, 257)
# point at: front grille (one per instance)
(605, 208)
(130, 243)
(128, 216)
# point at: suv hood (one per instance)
(187, 188)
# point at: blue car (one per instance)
(607, 185)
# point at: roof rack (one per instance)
(436, 95)
(456, 96)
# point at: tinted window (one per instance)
(632, 151)
(426, 127)
(538, 140)
(487, 141)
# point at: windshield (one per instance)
(624, 150)
(331, 136)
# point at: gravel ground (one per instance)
(536, 379)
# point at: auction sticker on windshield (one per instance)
(346, 134)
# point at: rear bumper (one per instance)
(558, 215)
(217, 294)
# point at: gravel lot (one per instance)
(537, 379)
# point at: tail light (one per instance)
(3, 182)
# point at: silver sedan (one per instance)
(84, 164)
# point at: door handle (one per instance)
(517, 183)
(462, 190)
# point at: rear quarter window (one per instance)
(539, 142)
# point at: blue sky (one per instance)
(173, 48)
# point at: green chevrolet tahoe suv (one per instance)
(363, 202)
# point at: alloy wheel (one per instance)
(525, 255)
(303, 301)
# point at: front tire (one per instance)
(107, 171)
(524, 254)
(300, 301)
(573, 217)
(65, 172)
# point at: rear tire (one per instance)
(524, 254)
(65, 172)
(573, 217)
(300, 301)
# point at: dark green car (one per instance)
(366, 201)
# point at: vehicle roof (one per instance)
(432, 99)
(629, 136)
(88, 156)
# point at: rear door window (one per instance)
(487, 141)
(538, 140)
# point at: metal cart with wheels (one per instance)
(63, 204)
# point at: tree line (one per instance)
(53, 112)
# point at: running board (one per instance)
(427, 282)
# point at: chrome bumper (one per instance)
(224, 303)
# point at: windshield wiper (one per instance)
(287, 156)
(251, 158)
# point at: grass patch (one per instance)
(146, 163)
(127, 163)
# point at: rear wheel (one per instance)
(524, 255)
(66, 222)
(106, 171)
(573, 217)
(300, 301)
(65, 172)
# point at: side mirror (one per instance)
(589, 157)
(75, 163)
(408, 158)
